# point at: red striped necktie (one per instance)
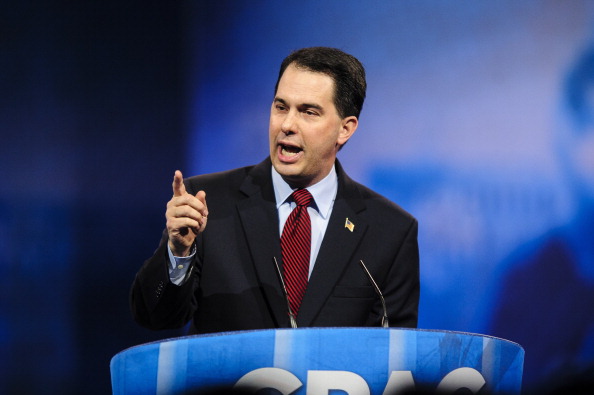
(295, 248)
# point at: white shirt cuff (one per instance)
(179, 266)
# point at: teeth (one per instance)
(290, 151)
(287, 153)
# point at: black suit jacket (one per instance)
(234, 285)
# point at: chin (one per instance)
(285, 168)
(289, 175)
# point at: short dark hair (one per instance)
(346, 71)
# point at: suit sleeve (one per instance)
(157, 303)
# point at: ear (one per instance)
(349, 125)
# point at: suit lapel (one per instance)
(337, 248)
(259, 221)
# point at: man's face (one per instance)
(305, 129)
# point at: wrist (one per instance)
(180, 251)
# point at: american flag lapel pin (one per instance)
(349, 225)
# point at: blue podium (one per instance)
(318, 360)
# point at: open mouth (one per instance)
(289, 150)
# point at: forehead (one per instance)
(297, 84)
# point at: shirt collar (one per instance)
(323, 192)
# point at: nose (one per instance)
(288, 125)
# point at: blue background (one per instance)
(476, 121)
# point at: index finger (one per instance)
(179, 188)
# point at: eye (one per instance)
(311, 112)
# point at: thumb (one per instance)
(178, 184)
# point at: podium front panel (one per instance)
(316, 360)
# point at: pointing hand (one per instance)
(186, 217)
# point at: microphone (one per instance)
(378, 292)
(284, 287)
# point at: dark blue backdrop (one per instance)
(477, 121)
(92, 118)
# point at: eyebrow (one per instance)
(302, 105)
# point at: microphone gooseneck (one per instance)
(385, 323)
(292, 319)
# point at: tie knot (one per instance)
(302, 197)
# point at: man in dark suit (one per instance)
(216, 264)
